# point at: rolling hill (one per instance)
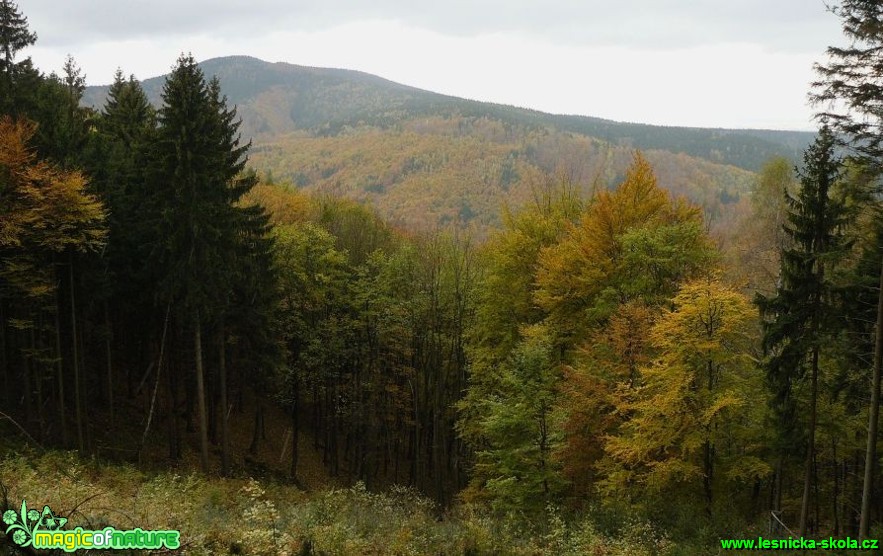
(426, 159)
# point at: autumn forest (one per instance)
(397, 323)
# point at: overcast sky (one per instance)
(713, 63)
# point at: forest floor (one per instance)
(261, 511)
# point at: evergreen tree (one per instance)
(14, 36)
(214, 253)
(191, 174)
(800, 315)
(251, 313)
(64, 124)
(127, 115)
(851, 90)
(117, 160)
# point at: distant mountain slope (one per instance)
(436, 171)
(279, 98)
(426, 159)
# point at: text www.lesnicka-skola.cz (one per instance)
(799, 543)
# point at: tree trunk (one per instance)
(62, 412)
(109, 364)
(295, 428)
(835, 502)
(873, 417)
(200, 393)
(174, 428)
(708, 449)
(75, 360)
(211, 400)
(258, 425)
(38, 380)
(811, 444)
(225, 427)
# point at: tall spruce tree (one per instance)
(850, 90)
(126, 126)
(64, 124)
(214, 253)
(115, 158)
(14, 36)
(191, 177)
(799, 316)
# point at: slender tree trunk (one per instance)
(174, 433)
(334, 450)
(835, 502)
(258, 420)
(200, 393)
(811, 445)
(326, 424)
(62, 412)
(295, 428)
(27, 389)
(778, 480)
(317, 417)
(38, 380)
(855, 492)
(708, 449)
(159, 361)
(396, 458)
(109, 364)
(75, 360)
(211, 399)
(240, 386)
(415, 464)
(873, 418)
(225, 426)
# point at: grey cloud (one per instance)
(789, 25)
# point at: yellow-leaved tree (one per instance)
(695, 414)
(634, 242)
(612, 356)
(600, 286)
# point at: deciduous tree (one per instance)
(692, 414)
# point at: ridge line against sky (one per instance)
(717, 64)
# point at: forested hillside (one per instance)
(458, 172)
(278, 98)
(218, 338)
(426, 160)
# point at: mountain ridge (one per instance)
(248, 82)
(425, 159)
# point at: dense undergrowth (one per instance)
(244, 516)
